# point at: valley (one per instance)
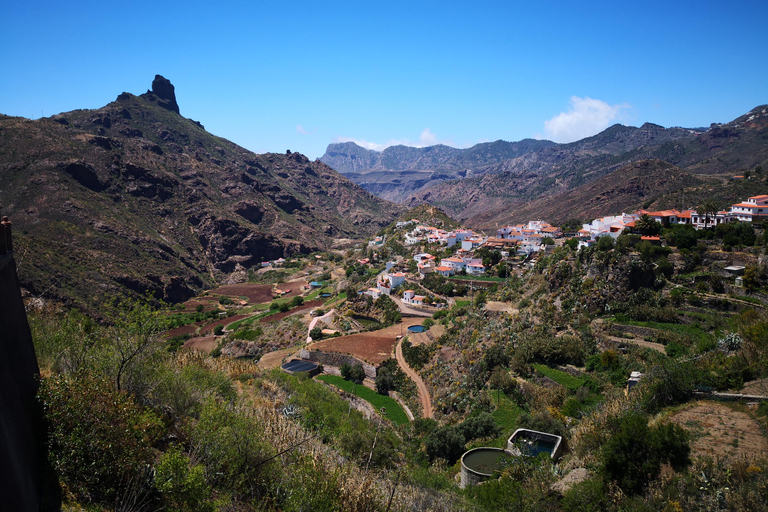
(610, 293)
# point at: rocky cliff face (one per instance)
(546, 176)
(133, 196)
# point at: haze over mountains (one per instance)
(135, 196)
(490, 183)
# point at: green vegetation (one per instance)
(393, 410)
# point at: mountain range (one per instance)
(494, 183)
(133, 196)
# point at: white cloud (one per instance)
(585, 117)
(302, 131)
(427, 138)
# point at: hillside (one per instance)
(398, 171)
(628, 188)
(541, 177)
(133, 196)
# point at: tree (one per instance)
(446, 442)
(135, 338)
(354, 373)
(316, 333)
(708, 208)
(384, 381)
(181, 483)
(648, 226)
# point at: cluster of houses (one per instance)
(531, 235)
(529, 238)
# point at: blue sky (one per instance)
(272, 76)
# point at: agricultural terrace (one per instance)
(373, 347)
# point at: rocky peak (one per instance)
(163, 90)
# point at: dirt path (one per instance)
(314, 321)
(275, 359)
(426, 401)
(641, 343)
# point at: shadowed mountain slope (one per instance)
(133, 196)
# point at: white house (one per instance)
(471, 243)
(455, 263)
(445, 271)
(395, 279)
(753, 209)
(475, 269)
(410, 297)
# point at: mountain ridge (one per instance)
(134, 181)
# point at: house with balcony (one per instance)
(754, 209)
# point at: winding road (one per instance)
(426, 401)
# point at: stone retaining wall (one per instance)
(336, 359)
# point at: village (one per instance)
(526, 240)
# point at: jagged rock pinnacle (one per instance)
(164, 90)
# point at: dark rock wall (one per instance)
(25, 482)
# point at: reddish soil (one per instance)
(279, 316)
(201, 343)
(722, 431)
(256, 293)
(223, 322)
(185, 329)
(296, 287)
(374, 347)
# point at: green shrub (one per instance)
(633, 455)
(181, 483)
(99, 439)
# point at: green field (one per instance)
(394, 412)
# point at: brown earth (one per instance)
(296, 287)
(279, 316)
(201, 343)
(184, 329)
(374, 347)
(727, 432)
(256, 293)
(275, 359)
(208, 328)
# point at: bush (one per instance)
(316, 333)
(633, 455)
(447, 443)
(218, 330)
(354, 373)
(181, 483)
(99, 439)
(199, 308)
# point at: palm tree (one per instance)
(647, 225)
(707, 208)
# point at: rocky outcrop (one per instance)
(166, 93)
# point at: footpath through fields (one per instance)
(426, 401)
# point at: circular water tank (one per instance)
(479, 464)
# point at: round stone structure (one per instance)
(479, 464)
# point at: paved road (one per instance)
(426, 401)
